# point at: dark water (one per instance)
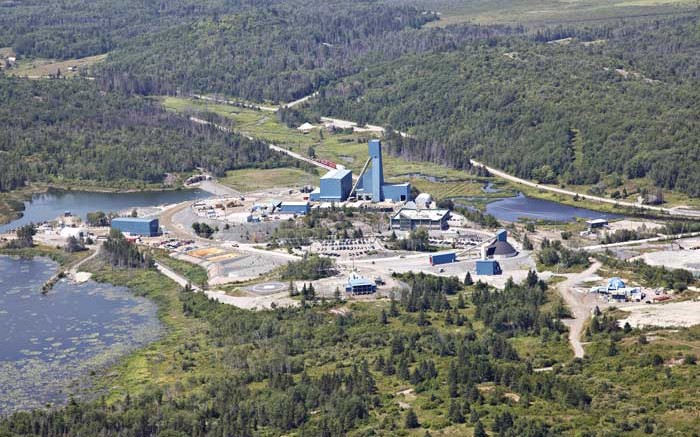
(49, 205)
(49, 344)
(514, 208)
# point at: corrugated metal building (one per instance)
(488, 267)
(297, 208)
(443, 258)
(335, 187)
(136, 226)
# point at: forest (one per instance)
(588, 105)
(67, 130)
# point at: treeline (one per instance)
(570, 113)
(118, 252)
(516, 308)
(83, 28)
(70, 130)
(427, 292)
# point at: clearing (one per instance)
(38, 67)
(674, 314)
(257, 179)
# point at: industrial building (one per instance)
(500, 248)
(488, 267)
(443, 258)
(359, 285)
(296, 208)
(337, 185)
(371, 182)
(408, 219)
(136, 226)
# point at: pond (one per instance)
(48, 206)
(49, 343)
(512, 209)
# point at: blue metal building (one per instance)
(335, 187)
(443, 258)
(136, 226)
(372, 184)
(488, 267)
(298, 208)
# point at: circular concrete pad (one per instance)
(267, 288)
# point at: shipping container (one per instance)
(443, 258)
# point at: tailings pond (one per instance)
(512, 209)
(49, 344)
(52, 204)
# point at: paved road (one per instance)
(581, 305)
(504, 175)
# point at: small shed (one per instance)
(306, 128)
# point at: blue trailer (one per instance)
(443, 258)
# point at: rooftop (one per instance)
(421, 214)
(356, 281)
(295, 203)
(599, 221)
(133, 219)
(336, 174)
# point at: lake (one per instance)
(512, 209)
(48, 206)
(49, 343)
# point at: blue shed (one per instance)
(136, 226)
(488, 267)
(298, 208)
(443, 258)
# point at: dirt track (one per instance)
(581, 305)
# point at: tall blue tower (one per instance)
(375, 152)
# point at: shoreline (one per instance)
(85, 384)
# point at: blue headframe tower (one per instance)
(371, 183)
(375, 153)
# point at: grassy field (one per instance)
(256, 179)
(168, 362)
(348, 149)
(48, 67)
(539, 12)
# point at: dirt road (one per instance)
(581, 305)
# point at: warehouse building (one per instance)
(136, 226)
(409, 219)
(335, 187)
(296, 208)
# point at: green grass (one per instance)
(39, 67)
(348, 149)
(161, 363)
(56, 254)
(256, 179)
(538, 12)
(195, 274)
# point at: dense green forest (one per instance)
(466, 361)
(57, 130)
(612, 100)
